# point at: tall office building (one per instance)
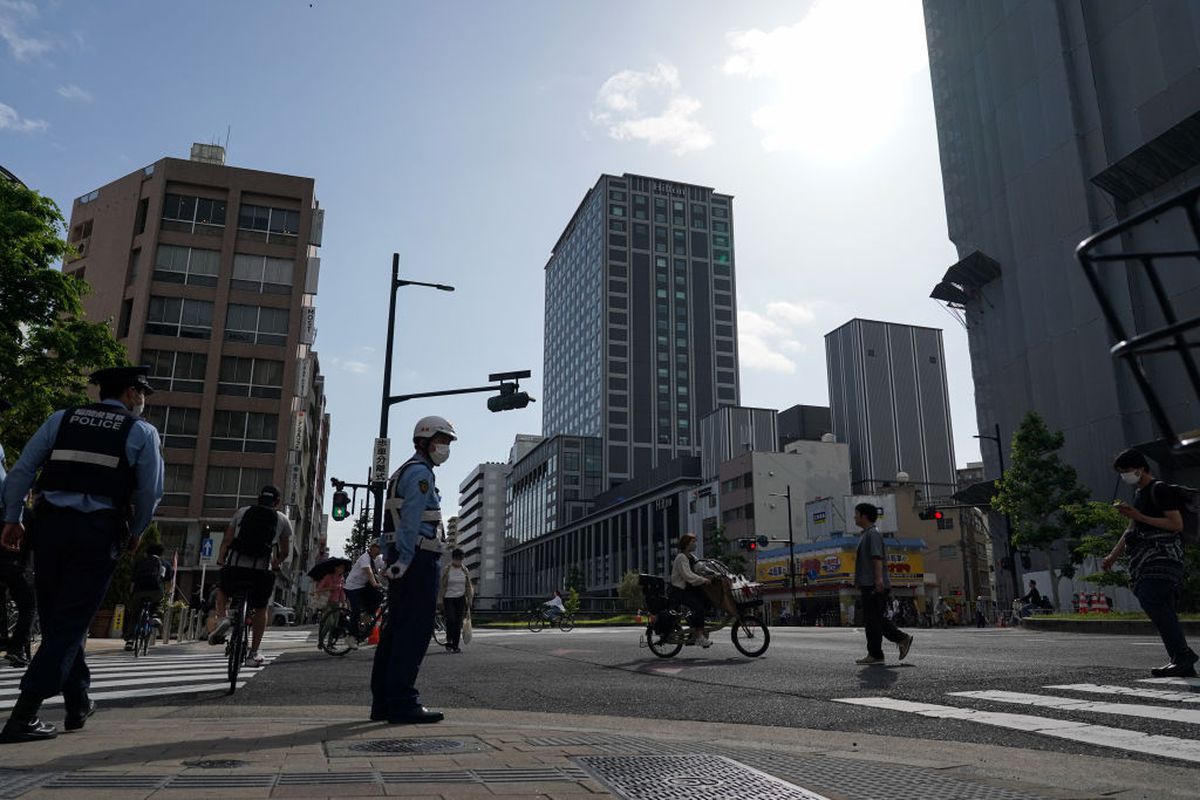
(480, 530)
(1054, 121)
(208, 273)
(889, 402)
(641, 329)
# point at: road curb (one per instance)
(1124, 627)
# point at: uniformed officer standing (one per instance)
(14, 576)
(95, 462)
(411, 550)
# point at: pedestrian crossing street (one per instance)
(165, 671)
(1178, 702)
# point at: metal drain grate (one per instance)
(688, 777)
(97, 780)
(459, 776)
(406, 747)
(16, 782)
(228, 763)
(515, 775)
(253, 781)
(316, 778)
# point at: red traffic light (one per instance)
(937, 515)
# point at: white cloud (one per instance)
(10, 120)
(838, 74)
(74, 93)
(350, 365)
(794, 313)
(769, 341)
(650, 106)
(13, 15)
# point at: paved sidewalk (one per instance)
(236, 752)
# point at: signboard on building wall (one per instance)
(304, 373)
(294, 481)
(308, 324)
(834, 566)
(822, 519)
(886, 503)
(299, 431)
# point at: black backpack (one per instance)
(1190, 511)
(256, 533)
(147, 571)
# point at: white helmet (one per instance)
(427, 427)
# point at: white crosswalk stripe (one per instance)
(120, 675)
(1184, 748)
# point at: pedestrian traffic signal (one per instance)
(748, 544)
(509, 399)
(341, 506)
(931, 512)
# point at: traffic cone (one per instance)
(374, 637)
(638, 617)
(1103, 604)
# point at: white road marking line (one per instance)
(1096, 735)
(144, 681)
(1131, 691)
(97, 672)
(207, 687)
(1172, 681)
(1185, 715)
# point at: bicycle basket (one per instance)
(1157, 252)
(747, 593)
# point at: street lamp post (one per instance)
(791, 549)
(1012, 554)
(385, 404)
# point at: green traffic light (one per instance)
(340, 513)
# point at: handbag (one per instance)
(466, 630)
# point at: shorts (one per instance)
(257, 584)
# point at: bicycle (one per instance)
(539, 618)
(439, 629)
(344, 634)
(237, 647)
(143, 631)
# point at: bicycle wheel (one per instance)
(237, 647)
(537, 621)
(662, 646)
(329, 621)
(338, 638)
(565, 623)
(750, 636)
(439, 630)
(142, 643)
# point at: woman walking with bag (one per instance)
(455, 594)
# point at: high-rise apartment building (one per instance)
(640, 326)
(889, 401)
(1054, 121)
(208, 273)
(481, 529)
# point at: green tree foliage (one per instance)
(572, 602)
(631, 593)
(1103, 527)
(122, 580)
(1035, 492)
(718, 546)
(574, 579)
(360, 536)
(46, 347)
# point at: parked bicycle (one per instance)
(539, 618)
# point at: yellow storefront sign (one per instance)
(834, 566)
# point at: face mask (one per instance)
(439, 453)
(139, 406)
(1131, 477)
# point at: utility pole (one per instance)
(1012, 553)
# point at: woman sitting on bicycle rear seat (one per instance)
(685, 585)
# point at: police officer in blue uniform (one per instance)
(99, 478)
(411, 547)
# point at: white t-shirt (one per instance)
(358, 577)
(456, 583)
(556, 602)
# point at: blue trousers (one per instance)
(412, 602)
(74, 558)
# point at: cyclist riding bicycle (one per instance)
(149, 574)
(554, 608)
(362, 586)
(256, 542)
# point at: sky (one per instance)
(464, 135)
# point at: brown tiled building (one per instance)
(209, 273)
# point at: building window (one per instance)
(234, 487)
(250, 377)
(256, 324)
(194, 214)
(180, 317)
(177, 426)
(262, 274)
(244, 431)
(277, 222)
(945, 524)
(616, 211)
(947, 551)
(177, 485)
(189, 265)
(176, 372)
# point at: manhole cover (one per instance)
(686, 777)
(405, 747)
(215, 763)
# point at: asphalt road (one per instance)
(795, 684)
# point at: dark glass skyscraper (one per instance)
(641, 326)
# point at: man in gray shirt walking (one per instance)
(871, 578)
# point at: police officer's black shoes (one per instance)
(30, 730)
(415, 716)
(78, 717)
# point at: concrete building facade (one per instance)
(890, 403)
(480, 528)
(209, 274)
(1056, 120)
